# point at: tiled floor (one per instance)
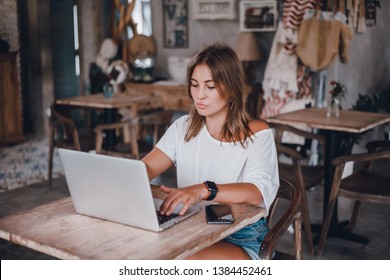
(373, 222)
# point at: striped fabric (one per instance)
(293, 12)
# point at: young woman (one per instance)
(219, 143)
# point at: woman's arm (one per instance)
(227, 193)
(156, 163)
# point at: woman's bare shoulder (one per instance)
(258, 125)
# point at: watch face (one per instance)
(211, 186)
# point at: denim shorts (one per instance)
(250, 237)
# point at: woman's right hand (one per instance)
(187, 196)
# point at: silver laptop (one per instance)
(115, 189)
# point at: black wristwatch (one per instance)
(212, 187)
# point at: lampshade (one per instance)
(247, 48)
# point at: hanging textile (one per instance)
(284, 79)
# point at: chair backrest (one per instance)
(128, 133)
(280, 129)
(290, 216)
(299, 172)
(59, 120)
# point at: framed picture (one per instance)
(175, 27)
(258, 16)
(213, 9)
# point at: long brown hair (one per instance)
(227, 74)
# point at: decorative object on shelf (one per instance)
(337, 92)
(177, 68)
(118, 72)
(142, 52)
(213, 9)
(258, 16)
(175, 18)
(108, 50)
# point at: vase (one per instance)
(333, 108)
(108, 90)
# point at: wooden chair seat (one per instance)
(312, 175)
(127, 147)
(366, 186)
(159, 121)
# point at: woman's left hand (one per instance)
(187, 196)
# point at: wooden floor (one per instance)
(373, 222)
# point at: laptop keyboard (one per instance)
(164, 218)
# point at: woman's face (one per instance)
(207, 101)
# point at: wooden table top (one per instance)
(348, 121)
(56, 229)
(99, 101)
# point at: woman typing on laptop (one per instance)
(220, 153)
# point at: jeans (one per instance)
(250, 237)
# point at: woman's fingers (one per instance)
(172, 201)
(185, 196)
(166, 189)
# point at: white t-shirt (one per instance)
(204, 158)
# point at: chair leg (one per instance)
(99, 142)
(305, 207)
(50, 166)
(332, 202)
(355, 212)
(306, 222)
(298, 237)
(133, 142)
(51, 150)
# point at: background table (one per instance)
(348, 122)
(111, 105)
(56, 229)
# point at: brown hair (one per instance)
(227, 74)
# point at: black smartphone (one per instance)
(219, 214)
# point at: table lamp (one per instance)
(248, 51)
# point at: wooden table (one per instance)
(348, 122)
(173, 96)
(57, 230)
(110, 106)
(119, 100)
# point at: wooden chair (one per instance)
(128, 133)
(301, 174)
(363, 185)
(159, 121)
(291, 216)
(127, 146)
(63, 133)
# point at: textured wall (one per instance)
(9, 30)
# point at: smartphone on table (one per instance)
(219, 214)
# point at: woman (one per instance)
(219, 152)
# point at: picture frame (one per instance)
(175, 23)
(213, 9)
(258, 16)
